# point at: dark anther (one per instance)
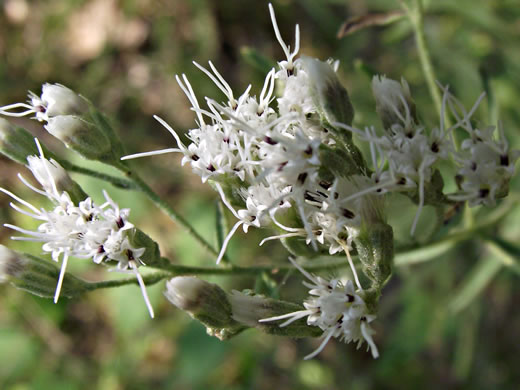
(340, 320)
(308, 196)
(484, 192)
(252, 218)
(336, 195)
(350, 298)
(40, 108)
(409, 135)
(130, 254)
(269, 140)
(226, 140)
(211, 168)
(302, 177)
(89, 217)
(402, 181)
(473, 166)
(325, 184)
(347, 213)
(120, 223)
(363, 319)
(290, 72)
(308, 151)
(280, 167)
(504, 160)
(195, 157)
(435, 147)
(322, 194)
(100, 249)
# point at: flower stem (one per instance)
(115, 181)
(166, 208)
(433, 250)
(416, 16)
(179, 270)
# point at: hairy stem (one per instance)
(166, 208)
(416, 16)
(115, 181)
(179, 270)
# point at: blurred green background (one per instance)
(452, 322)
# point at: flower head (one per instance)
(77, 229)
(336, 308)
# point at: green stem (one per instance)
(179, 270)
(431, 250)
(148, 281)
(417, 20)
(165, 207)
(115, 181)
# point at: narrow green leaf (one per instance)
(475, 282)
(421, 255)
(506, 252)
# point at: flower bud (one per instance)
(11, 264)
(394, 103)
(50, 173)
(16, 143)
(375, 247)
(329, 96)
(249, 309)
(204, 301)
(36, 276)
(81, 136)
(56, 99)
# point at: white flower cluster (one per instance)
(84, 230)
(485, 163)
(407, 153)
(271, 147)
(337, 308)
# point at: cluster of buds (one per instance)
(288, 162)
(274, 161)
(75, 226)
(281, 162)
(408, 152)
(284, 160)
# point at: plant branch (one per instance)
(416, 16)
(165, 207)
(115, 181)
(179, 270)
